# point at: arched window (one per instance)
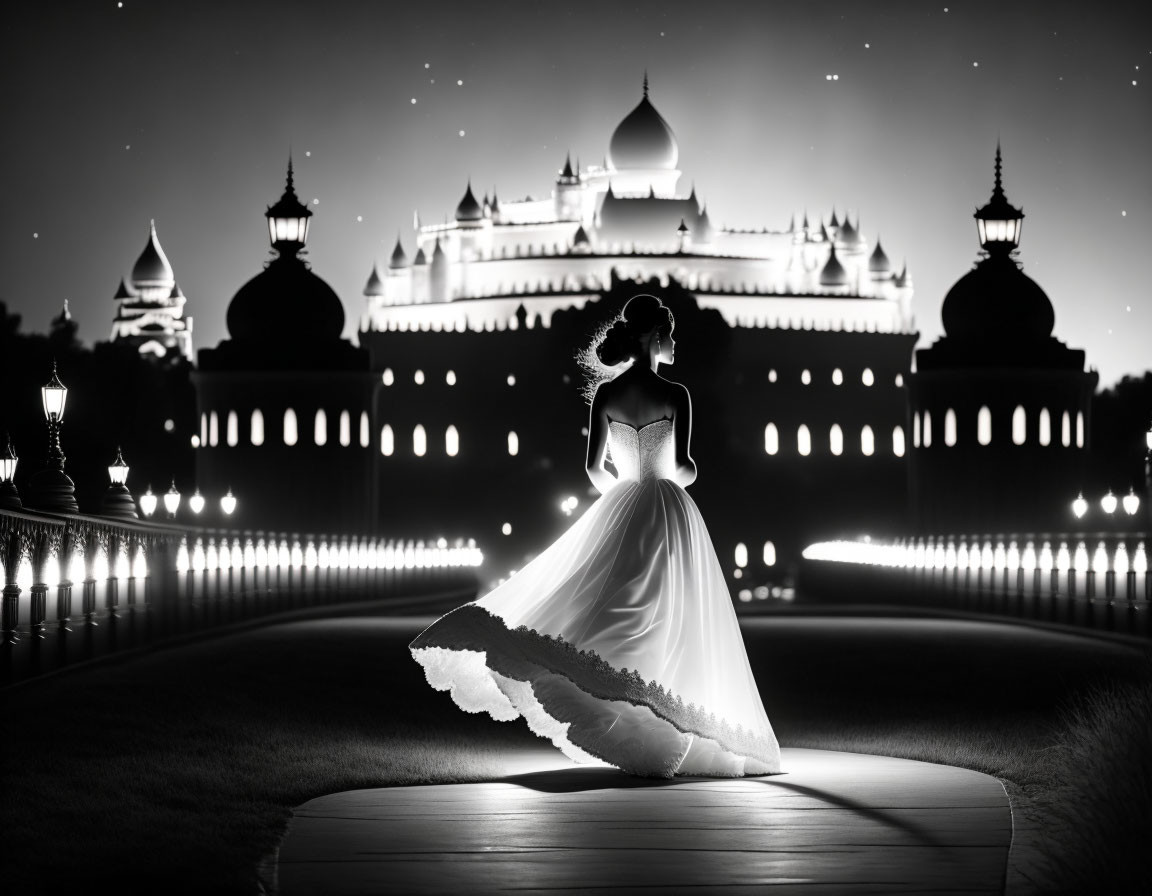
(772, 376)
(867, 378)
(984, 426)
(1044, 425)
(451, 441)
(320, 428)
(290, 427)
(419, 441)
(1079, 429)
(837, 377)
(1066, 430)
(257, 427)
(213, 429)
(513, 444)
(1019, 426)
(899, 381)
(769, 554)
(805, 377)
(898, 441)
(345, 429)
(387, 440)
(450, 377)
(232, 430)
(204, 429)
(836, 439)
(388, 378)
(927, 432)
(771, 439)
(915, 429)
(418, 377)
(364, 435)
(950, 427)
(803, 440)
(740, 555)
(511, 379)
(867, 441)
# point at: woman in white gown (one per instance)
(619, 641)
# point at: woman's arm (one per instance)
(597, 443)
(682, 430)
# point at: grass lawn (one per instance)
(175, 772)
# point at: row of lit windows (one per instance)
(420, 441)
(867, 378)
(922, 428)
(210, 429)
(835, 440)
(740, 556)
(389, 378)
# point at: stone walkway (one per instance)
(832, 823)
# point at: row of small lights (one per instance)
(391, 555)
(926, 554)
(1109, 503)
(171, 498)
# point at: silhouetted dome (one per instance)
(286, 302)
(152, 267)
(878, 261)
(374, 286)
(834, 273)
(469, 209)
(398, 259)
(643, 139)
(848, 235)
(996, 300)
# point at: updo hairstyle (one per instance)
(642, 315)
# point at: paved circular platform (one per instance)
(833, 822)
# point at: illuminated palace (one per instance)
(460, 413)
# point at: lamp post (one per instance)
(196, 502)
(172, 501)
(148, 502)
(117, 499)
(228, 503)
(52, 490)
(9, 497)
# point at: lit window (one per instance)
(771, 439)
(1066, 430)
(868, 379)
(204, 428)
(1079, 429)
(511, 379)
(916, 429)
(771, 376)
(769, 554)
(232, 430)
(257, 427)
(899, 380)
(363, 429)
(898, 441)
(513, 443)
(867, 442)
(984, 426)
(387, 440)
(837, 377)
(289, 427)
(320, 428)
(418, 377)
(450, 377)
(805, 377)
(388, 378)
(741, 555)
(836, 439)
(213, 429)
(950, 427)
(419, 441)
(1045, 428)
(451, 441)
(345, 429)
(1019, 426)
(803, 440)
(927, 429)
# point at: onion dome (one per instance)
(848, 236)
(581, 237)
(997, 301)
(643, 139)
(438, 256)
(152, 267)
(421, 258)
(398, 259)
(374, 286)
(286, 302)
(834, 273)
(123, 292)
(835, 222)
(469, 209)
(878, 261)
(567, 176)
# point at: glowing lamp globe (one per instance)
(288, 219)
(196, 502)
(1108, 502)
(55, 395)
(1131, 502)
(1079, 506)
(118, 471)
(8, 460)
(228, 503)
(148, 502)
(172, 499)
(998, 223)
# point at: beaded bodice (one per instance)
(645, 452)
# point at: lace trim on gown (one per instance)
(480, 683)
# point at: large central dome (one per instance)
(643, 140)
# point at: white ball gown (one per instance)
(618, 642)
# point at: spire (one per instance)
(416, 219)
(399, 259)
(999, 221)
(645, 83)
(567, 174)
(998, 189)
(835, 222)
(469, 209)
(375, 286)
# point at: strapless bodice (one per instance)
(646, 452)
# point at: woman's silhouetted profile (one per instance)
(619, 641)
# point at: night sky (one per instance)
(115, 113)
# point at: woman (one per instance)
(620, 641)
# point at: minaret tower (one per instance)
(150, 308)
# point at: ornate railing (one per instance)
(1098, 580)
(77, 586)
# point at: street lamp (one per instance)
(1131, 502)
(172, 501)
(117, 499)
(288, 221)
(9, 497)
(51, 488)
(228, 503)
(1080, 506)
(148, 502)
(196, 502)
(1108, 503)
